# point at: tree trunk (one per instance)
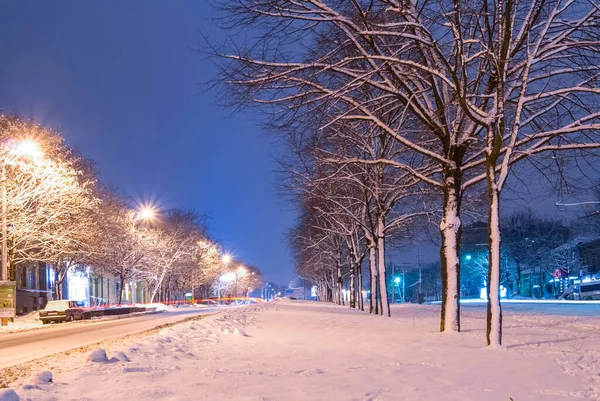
(518, 278)
(121, 283)
(494, 309)
(158, 284)
(361, 303)
(373, 307)
(338, 281)
(450, 229)
(352, 285)
(58, 285)
(385, 302)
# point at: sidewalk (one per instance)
(310, 351)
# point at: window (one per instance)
(590, 287)
(30, 278)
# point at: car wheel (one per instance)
(70, 318)
(588, 298)
(45, 321)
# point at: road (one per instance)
(20, 347)
(543, 307)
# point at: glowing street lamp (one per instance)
(145, 213)
(226, 259)
(29, 148)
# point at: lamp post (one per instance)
(225, 259)
(396, 285)
(29, 149)
(146, 213)
(239, 272)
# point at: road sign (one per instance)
(8, 299)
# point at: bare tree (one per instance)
(400, 53)
(170, 246)
(120, 249)
(483, 85)
(49, 197)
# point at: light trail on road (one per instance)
(20, 347)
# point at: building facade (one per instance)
(36, 282)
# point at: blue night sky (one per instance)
(122, 85)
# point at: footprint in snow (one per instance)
(310, 372)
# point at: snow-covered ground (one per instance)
(26, 322)
(309, 351)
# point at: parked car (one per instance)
(62, 311)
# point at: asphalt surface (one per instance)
(20, 347)
(562, 308)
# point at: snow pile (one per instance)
(300, 350)
(8, 395)
(122, 357)
(98, 356)
(44, 377)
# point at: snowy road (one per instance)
(16, 348)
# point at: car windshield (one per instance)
(56, 305)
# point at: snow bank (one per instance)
(23, 323)
(154, 306)
(307, 351)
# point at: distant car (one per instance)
(62, 311)
(587, 291)
(208, 302)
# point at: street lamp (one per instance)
(225, 259)
(240, 272)
(26, 148)
(145, 213)
(29, 148)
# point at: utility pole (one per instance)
(421, 298)
(420, 271)
(394, 284)
(4, 229)
(403, 286)
(8, 290)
